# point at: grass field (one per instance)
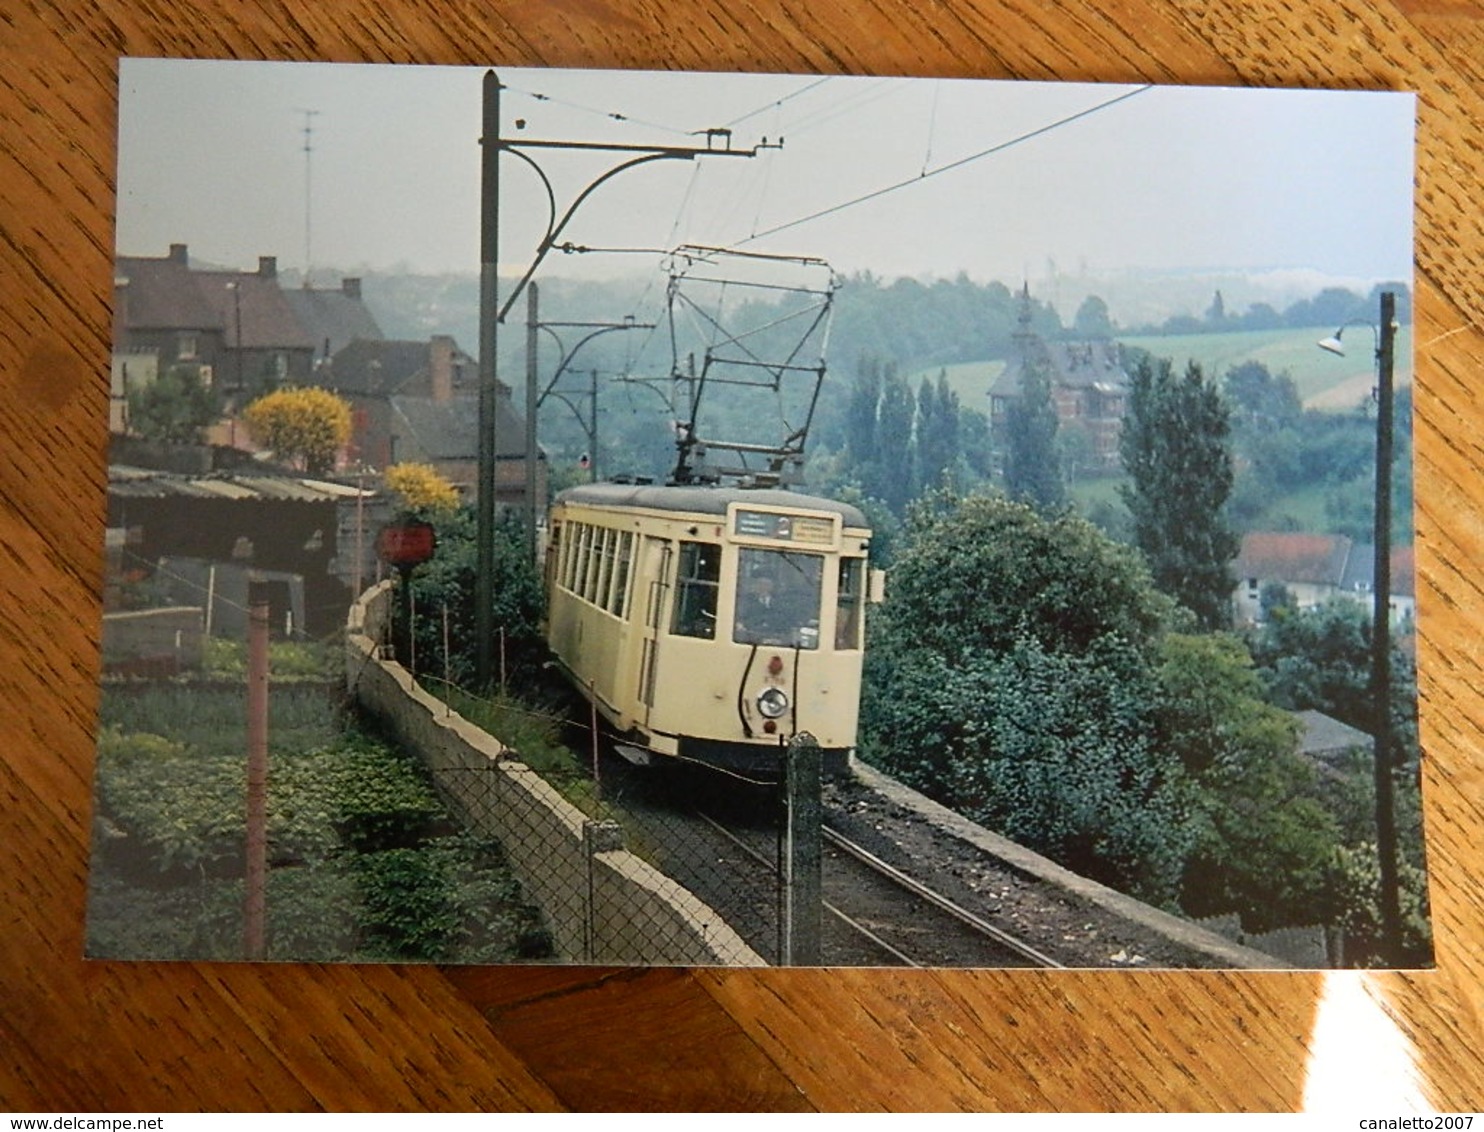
(1324, 381)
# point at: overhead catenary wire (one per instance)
(999, 147)
(610, 115)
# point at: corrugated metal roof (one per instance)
(145, 483)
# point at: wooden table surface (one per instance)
(173, 1036)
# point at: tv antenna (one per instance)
(308, 131)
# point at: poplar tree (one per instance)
(1032, 470)
(1176, 453)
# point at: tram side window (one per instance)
(619, 604)
(849, 603)
(579, 556)
(697, 585)
(602, 557)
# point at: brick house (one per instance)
(1089, 392)
(238, 327)
(417, 402)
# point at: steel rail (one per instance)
(999, 935)
(844, 917)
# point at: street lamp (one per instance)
(1386, 846)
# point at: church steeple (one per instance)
(1024, 336)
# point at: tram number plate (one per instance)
(784, 528)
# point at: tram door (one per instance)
(654, 568)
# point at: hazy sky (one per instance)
(997, 178)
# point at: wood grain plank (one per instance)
(185, 1036)
(588, 1027)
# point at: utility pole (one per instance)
(492, 311)
(1386, 845)
(533, 325)
(254, 912)
(592, 430)
(489, 280)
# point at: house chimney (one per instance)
(178, 254)
(351, 288)
(268, 266)
(440, 368)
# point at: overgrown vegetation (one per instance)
(1026, 671)
(364, 862)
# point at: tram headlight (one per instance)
(772, 703)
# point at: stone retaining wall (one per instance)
(602, 903)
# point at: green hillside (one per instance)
(1324, 380)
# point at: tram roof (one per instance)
(703, 500)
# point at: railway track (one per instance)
(877, 915)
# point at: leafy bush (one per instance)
(448, 583)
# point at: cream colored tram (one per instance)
(711, 623)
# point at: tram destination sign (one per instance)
(783, 528)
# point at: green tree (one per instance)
(1007, 677)
(861, 410)
(1175, 451)
(447, 583)
(1261, 399)
(178, 406)
(1052, 749)
(937, 436)
(1091, 319)
(1266, 841)
(1320, 659)
(978, 573)
(1032, 469)
(892, 467)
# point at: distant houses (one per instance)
(236, 327)
(417, 402)
(189, 523)
(245, 335)
(1317, 569)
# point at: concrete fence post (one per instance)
(803, 853)
(597, 837)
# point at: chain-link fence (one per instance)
(676, 864)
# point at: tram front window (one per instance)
(778, 598)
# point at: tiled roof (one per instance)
(449, 430)
(1361, 572)
(1078, 365)
(1290, 557)
(376, 368)
(1323, 734)
(162, 294)
(166, 294)
(385, 367)
(331, 317)
(268, 322)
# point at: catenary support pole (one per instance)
(489, 300)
